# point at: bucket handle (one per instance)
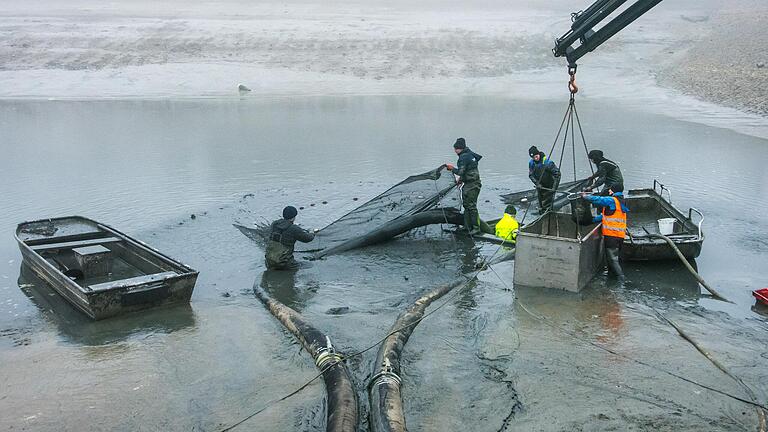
(663, 188)
(701, 215)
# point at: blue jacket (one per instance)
(466, 167)
(544, 172)
(606, 201)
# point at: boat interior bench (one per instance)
(139, 280)
(75, 244)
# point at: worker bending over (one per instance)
(608, 173)
(508, 226)
(614, 220)
(469, 177)
(283, 234)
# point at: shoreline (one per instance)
(728, 64)
(105, 52)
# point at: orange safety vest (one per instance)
(615, 224)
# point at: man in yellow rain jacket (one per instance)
(508, 226)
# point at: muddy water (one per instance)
(483, 361)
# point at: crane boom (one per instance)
(583, 23)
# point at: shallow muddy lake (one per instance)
(483, 361)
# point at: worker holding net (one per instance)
(468, 174)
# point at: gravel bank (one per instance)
(728, 63)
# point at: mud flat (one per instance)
(90, 49)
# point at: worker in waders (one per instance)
(614, 220)
(507, 227)
(469, 178)
(283, 234)
(545, 177)
(608, 174)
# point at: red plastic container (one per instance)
(761, 295)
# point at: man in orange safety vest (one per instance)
(614, 220)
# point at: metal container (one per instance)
(555, 252)
(93, 260)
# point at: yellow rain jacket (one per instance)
(507, 228)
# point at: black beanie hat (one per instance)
(290, 212)
(595, 155)
(510, 210)
(460, 144)
(532, 151)
(618, 187)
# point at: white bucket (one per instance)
(667, 226)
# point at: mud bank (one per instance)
(727, 62)
(90, 49)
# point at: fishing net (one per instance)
(417, 193)
(422, 199)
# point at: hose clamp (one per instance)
(386, 376)
(327, 355)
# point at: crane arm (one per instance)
(582, 28)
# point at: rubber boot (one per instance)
(485, 228)
(474, 222)
(467, 222)
(612, 257)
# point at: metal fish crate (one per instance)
(555, 252)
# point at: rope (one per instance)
(760, 412)
(586, 150)
(567, 126)
(573, 139)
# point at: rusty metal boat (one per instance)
(646, 208)
(100, 270)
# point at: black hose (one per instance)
(342, 414)
(386, 400)
(396, 227)
(688, 266)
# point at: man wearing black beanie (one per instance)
(283, 234)
(469, 177)
(608, 173)
(545, 177)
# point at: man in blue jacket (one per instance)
(613, 218)
(545, 177)
(469, 177)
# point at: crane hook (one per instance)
(572, 82)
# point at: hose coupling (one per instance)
(386, 376)
(327, 355)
